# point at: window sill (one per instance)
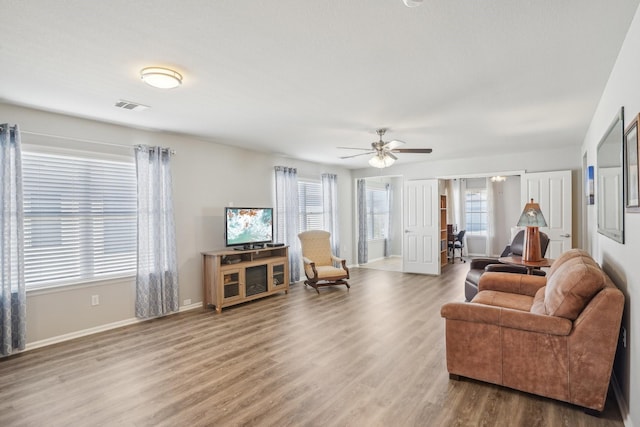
(88, 283)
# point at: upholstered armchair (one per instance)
(479, 265)
(320, 264)
(555, 336)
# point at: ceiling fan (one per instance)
(383, 152)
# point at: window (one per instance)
(475, 206)
(79, 219)
(377, 213)
(309, 206)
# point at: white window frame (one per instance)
(90, 221)
(479, 195)
(377, 233)
(310, 214)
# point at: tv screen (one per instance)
(248, 226)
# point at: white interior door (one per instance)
(421, 251)
(552, 190)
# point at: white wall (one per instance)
(206, 177)
(620, 261)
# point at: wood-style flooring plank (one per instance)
(373, 355)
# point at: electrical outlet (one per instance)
(95, 299)
(624, 337)
(187, 302)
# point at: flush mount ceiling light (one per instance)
(162, 78)
(412, 3)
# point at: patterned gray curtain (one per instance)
(286, 229)
(157, 275)
(13, 296)
(363, 245)
(387, 226)
(330, 209)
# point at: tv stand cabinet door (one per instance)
(279, 275)
(230, 287)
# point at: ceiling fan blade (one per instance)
(356, 155)
(354, 148)
(393, 144)
(412, 150)
(388, 153)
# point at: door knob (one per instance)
(565, 235)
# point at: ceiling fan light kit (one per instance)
(383, 151)
(381, 161)
(160, 77)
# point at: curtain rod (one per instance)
(90, 141)
(152, 148)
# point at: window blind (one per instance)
(310, 206)
(79, 218)
(377, 213)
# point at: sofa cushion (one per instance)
(566, 256)
(504, 299)
(571, 286)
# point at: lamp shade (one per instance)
(532, 216)
(381, 161)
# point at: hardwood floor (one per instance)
(371, 356)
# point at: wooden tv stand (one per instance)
(232, 277)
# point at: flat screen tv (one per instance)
(248, 227)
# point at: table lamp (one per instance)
(532, 218)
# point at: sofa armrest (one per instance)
(506, 318)
(337, 259)
(507, 268)
(523, 284)
(481, 263)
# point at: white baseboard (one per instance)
(623, 406)
(97, 329)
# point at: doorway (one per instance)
(487, 208)
(384, 222)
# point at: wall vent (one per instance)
(128, 105)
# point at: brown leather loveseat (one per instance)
(554, 336)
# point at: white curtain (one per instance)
(13, 297)
(460, 191)
(157, 275)
(458, 188)
(330, 209)
(363, 244)
(491, 218)
(286, 230)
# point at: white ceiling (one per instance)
(303, 77)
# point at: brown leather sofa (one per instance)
(553, 336)
(478, 266)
